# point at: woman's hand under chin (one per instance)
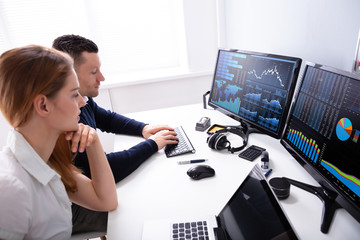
(84, 137)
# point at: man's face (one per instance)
(89, 75)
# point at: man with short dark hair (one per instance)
(87, 67)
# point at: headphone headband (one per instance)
(219, 141)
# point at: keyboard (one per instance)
(183, 146)
(190, 230)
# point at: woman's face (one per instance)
(66, 106)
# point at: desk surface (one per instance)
(159, 186)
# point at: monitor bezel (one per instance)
(341, 198)
(290, 94)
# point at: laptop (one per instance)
(253, 212)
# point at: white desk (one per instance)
(160, 184)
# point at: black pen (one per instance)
(192, 161)
(268, 172)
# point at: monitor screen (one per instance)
(323, 132)
(255, 88)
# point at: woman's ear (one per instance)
(41, 105)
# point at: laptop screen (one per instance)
(253, 212)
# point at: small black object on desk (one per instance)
(202, 124)
(200, 171)
(281, 187)
(265, 160)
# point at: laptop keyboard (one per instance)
(190, 230)
(184, 145)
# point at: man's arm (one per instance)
(112, 122)
(122, 163)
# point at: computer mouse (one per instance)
(200, 171)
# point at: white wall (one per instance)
(321, 31)
(161, 93)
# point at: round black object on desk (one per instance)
(281, 187)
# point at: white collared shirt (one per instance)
(33, 200)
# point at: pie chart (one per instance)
(344, 129)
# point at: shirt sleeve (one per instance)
(108, 121)
(15, 208)
(122, 163)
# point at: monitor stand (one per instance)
(326, 196)
(246, 129)
(204, 99)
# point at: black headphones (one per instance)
(218, 140)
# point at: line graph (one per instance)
(270, 71)
(349, 180)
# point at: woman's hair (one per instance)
(26, 72)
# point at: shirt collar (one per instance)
(29, 159)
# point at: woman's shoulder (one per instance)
(14, 180)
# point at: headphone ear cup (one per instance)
(211, 140)
(221, 142)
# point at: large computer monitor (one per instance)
(255, 89)
(323, 136)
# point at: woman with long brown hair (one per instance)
(40, 99)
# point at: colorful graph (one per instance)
(356, 136)
(305, 145)
(344, 129)
(349, 180)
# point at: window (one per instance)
(133, 36)
(137, 39)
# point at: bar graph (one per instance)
(229, 65)
(306, 145)
(356, 136)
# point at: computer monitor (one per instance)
(323, 136)
(255, 89)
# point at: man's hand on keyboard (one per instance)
(150, 130)
(164, 137)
